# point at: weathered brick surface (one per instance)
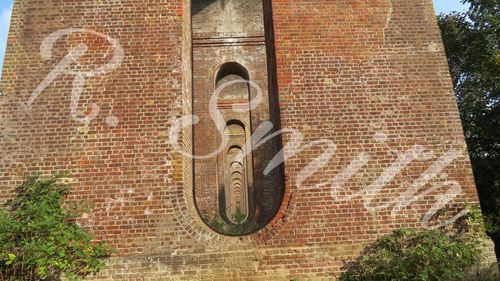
(371, 76)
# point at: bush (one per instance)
(409, 255)
(40, 238)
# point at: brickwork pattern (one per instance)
(369, 75)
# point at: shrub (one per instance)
(40, 238)
(409, 255)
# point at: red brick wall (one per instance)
(370, 76)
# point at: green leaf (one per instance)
(38, 234)
(10, 258)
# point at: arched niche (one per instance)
(232, 55)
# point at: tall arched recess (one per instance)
(233, 55)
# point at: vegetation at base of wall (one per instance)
(40, 238)
(490, 273)
(230, 229)
(239, 216)
(447, 254)
(472, 41)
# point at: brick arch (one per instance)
(196, 225)
(231, 68)
(236, 181)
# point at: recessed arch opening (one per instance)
(232, 194)
(231, 69)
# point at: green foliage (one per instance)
(40, 238)
(230, 229)
(485, 14)
(239, 216)
(409, 255)
(474, 61)
(472, 46)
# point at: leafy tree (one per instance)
(40, 238)
(472, 46)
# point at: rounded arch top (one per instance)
(231, 68)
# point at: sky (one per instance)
(441, 6)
